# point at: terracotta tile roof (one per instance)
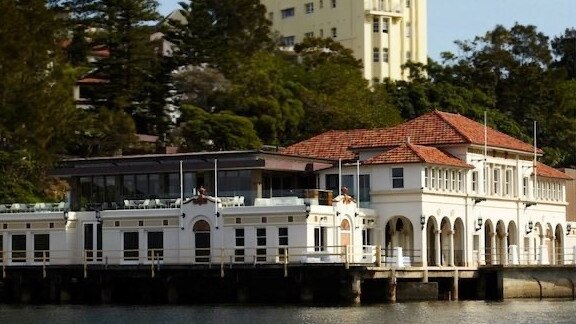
(542, 170)
(433, 129)
(330, 145)
(410, 153)
(474, 132)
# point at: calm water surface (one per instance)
(517, 311)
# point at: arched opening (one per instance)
(201, 231)
(400, 233)
(459, 255)
(445, 243)
(501, 244)
(431, 238)
(559, 244)
(489, 238)
(512, 246)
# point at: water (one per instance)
(515, 311)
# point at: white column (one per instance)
(553, 243)
(451, 240)
(438, 248)
(513, 255)
(493, 256)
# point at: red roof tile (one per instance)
(329, 145)
(542, 170)
(410, 153)
(434, 129)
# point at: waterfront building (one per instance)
(383, 34)
(437, 191)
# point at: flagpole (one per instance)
(485, 152)
(216, 184)
(339, 175)
(358, 182)
(181, 194)
(535, 165)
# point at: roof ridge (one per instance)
(413, 148)
(441, 115)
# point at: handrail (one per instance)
(284, 255)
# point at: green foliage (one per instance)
(216, 131)
(221, 34)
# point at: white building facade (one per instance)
(383, 34)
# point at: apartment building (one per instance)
(383, 34)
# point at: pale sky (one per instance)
(450, 20)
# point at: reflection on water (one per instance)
(517, 311)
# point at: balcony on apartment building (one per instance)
(388, 8)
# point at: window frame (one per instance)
(397, 179)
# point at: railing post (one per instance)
(152, 265)
(44, 264)
(221, 262)
(378, 255)
(286, 262)
(85, 261)
(346, 256)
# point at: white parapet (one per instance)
(574, 254)
(513, 255)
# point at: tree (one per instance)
(221, 34)
(202, 131)
(36, 107)
(564, 48)
(122, 28)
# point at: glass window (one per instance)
(110, 188)
(508, 183)
(288, 40)
(288, 12)
(333, 3)
(41, 247)
(397, 177)
(261, 242)
(19, 248)
(334, 32)
(309, 7)
(376, 55)
(376, 25)
(441, 179)
(320, 238)
(129, 186)
(173, 185)
(460, 181)
(385, 55)
(525, 186)
(97, 189)
(364, 190)
(453, 180)
(385, 25)
(496, 181)
(131, 246)
(282, 241)
(239, 253)
(426, 178)
(283, 236)
(309, 34)
(155, 245)
(407, 3)
(142, 185)
(446, 180)
(475, 181)
(154, 185)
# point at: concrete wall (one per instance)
(538, 283)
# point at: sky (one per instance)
(451, 20)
